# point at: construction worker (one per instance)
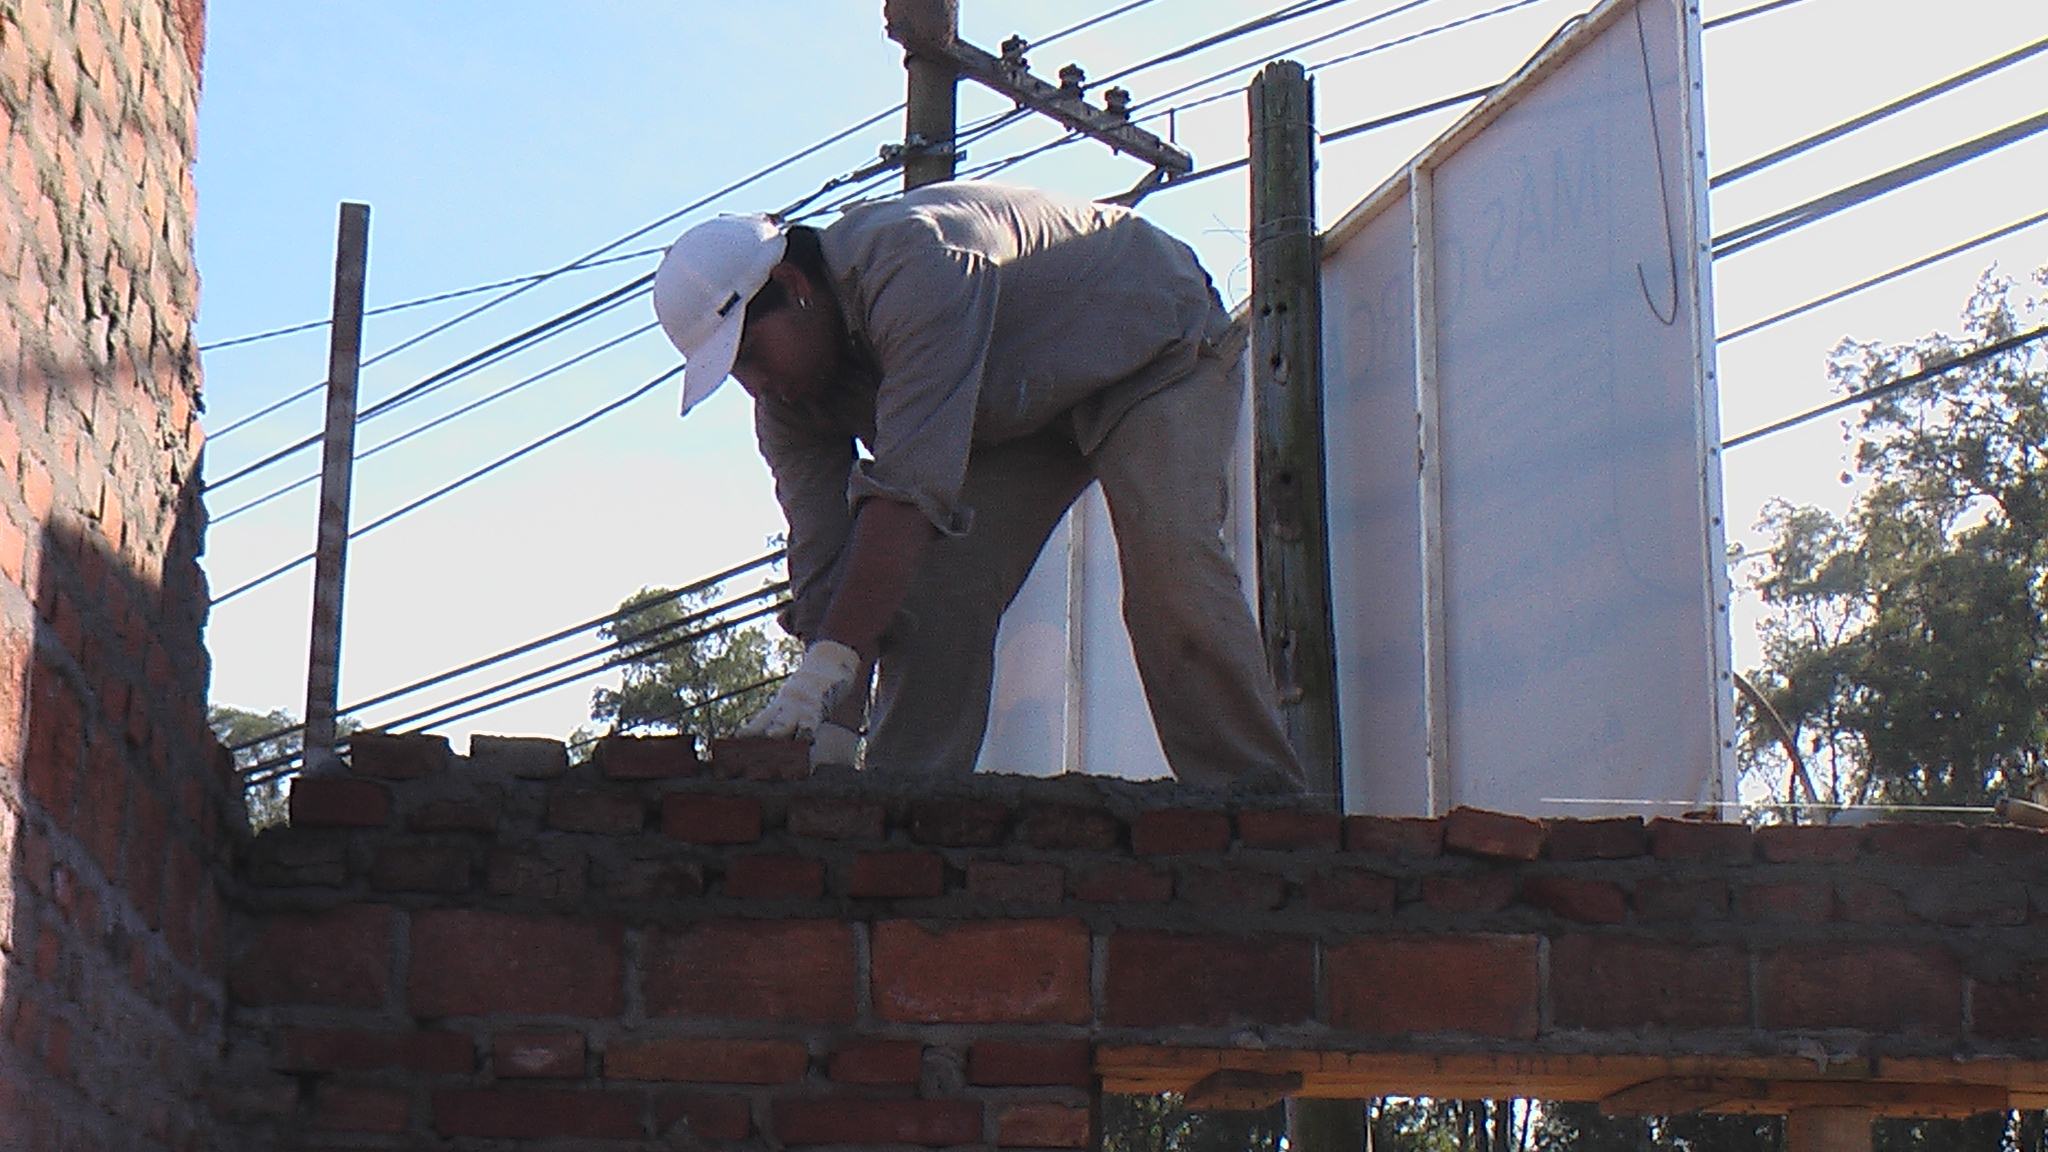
(994, 350)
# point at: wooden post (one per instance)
(1828, 1130)
(1293, 532)
(330, 555)
(1287, 371)
(932, 96)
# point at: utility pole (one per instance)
(931, 105)
(330, 555)
(1293, 532)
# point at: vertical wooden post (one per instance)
(932, 96)
(1828, 1130)
(1293, 532)
(330, 556)
(1287, 399)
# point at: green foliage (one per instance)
(1159, 1124)
(1904, 643)
(236, 726)
(705, 685)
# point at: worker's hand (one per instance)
(834, 746)
(799, 706)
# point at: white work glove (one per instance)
(835, 746)
(799, 705)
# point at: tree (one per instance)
(675, 679)
(1905, 643)
(235, 727)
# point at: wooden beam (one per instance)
(1234, 1090)
(337, 472)
(1828, 1130)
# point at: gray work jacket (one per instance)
(977, 314)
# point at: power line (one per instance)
(452, 486)
(1272, 19)
(1874, 281)
(1746, 13)
(676, 718)
(1821, 207)
(1877, 114)
(1962, 361)
(535, 645)
(214, 521)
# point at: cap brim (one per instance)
(708, 366)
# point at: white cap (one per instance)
(701, 292)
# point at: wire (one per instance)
(1874, 281)
(1257, 24)
(1746, 13)
(1791, 219)
(1877, 114)
(676, 718)
(452, 486)
(534, 645)
(1925, 374)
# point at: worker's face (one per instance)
(791, 353)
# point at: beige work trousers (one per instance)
(1199, 653)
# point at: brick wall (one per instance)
(635, 950)
(111, 907)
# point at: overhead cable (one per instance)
(1874, 281)
(1791, 219)
(1281, 15)
(1964, 360)
(1746, 13)
(676, 718)
(452, 486)
(1876, 114)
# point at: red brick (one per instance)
(351, 1050)
(529, 1114)
(1069, 827)
(711, 819)
(836, 1120)
(1480, 985)
(2011, 844)
(1158, 979)
(340, 959)
(1701, 840)
(1035, 883)
(831, 818)
(760, 758)
(1017, 971)
(471, 963)
(2015, 1008)
(1627, 984)
(1470, 893)
(1980, 903)
(554, 873)
(1031, 1064)
(537, 1055)
(1044, 1126)
(702, 1117)
(707, 1061)
(1477, 832)
(1613, 838)
(1694, 900)
(774, 878)
(1922, 844)
(663, 880)
(796, 970)
(1872, 987)
(393, 757)
(1867, 902)
(1576, 898)
(1174, 832)
(1809, 844)
(647, 757)
(879, 1062)
(1786, 901)
(527, 757)
(454, 816)
(1352, 890)
(958, 823)
(1232, 887)
(1124, 882)
(1290, 831)
(360, 1108)
(339, 802)
(409, 866)
(603, 813)
(897, 876)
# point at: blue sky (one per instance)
(499, 139)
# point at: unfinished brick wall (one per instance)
(442, 950)
(111, 909)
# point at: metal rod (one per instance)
(330, 562)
